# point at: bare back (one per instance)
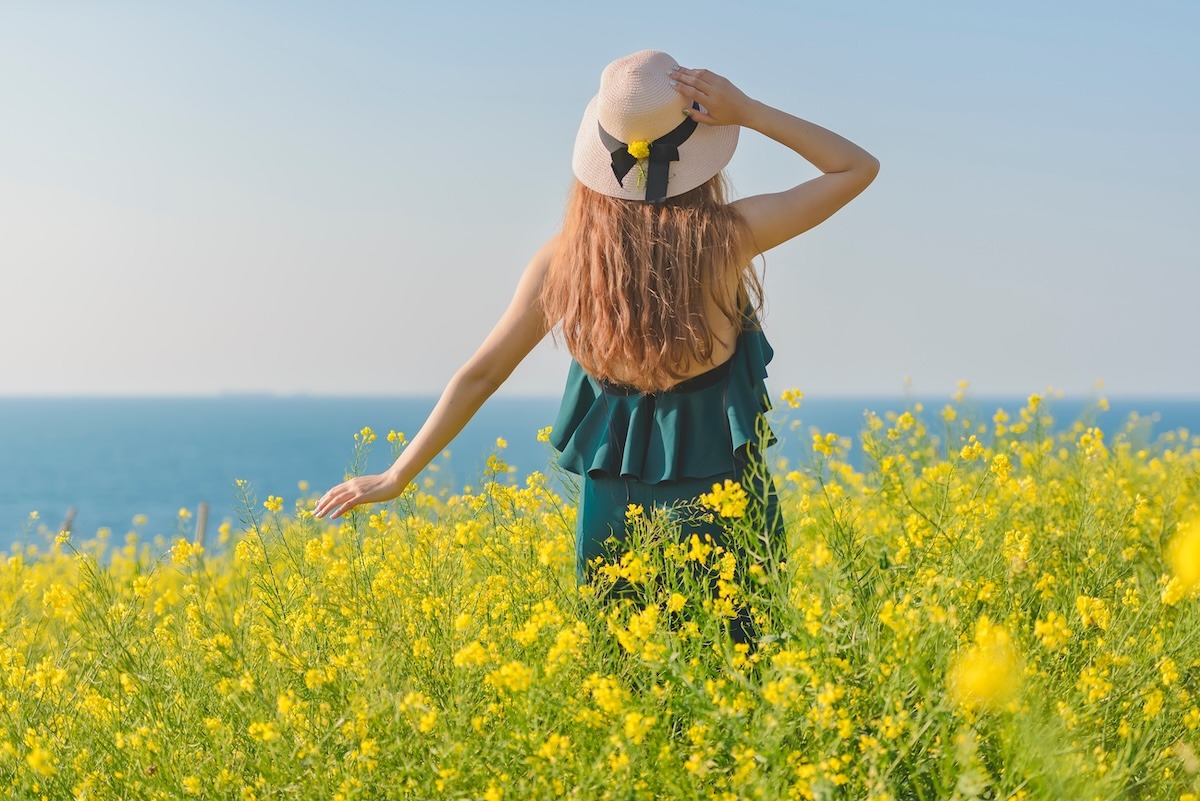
(725, 334)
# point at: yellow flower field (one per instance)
(986, 610)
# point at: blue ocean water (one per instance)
(114, 458)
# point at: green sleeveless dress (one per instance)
(663, 449)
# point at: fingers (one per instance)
(690, 86)
(699, 115)
(707, 89)
(339, 500)
(324, 505)
(701, 80)
(354, 492)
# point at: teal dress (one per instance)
(663, 449)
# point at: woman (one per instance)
(651, 284)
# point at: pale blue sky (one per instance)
(339, 198)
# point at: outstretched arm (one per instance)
(520, 328)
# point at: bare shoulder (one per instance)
(540, 263)
(779, 216)
(529, 287)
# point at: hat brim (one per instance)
(703, 155)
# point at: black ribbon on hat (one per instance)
(663, 151)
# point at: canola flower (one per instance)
(1183, 554)
(987, 673)
(727, 500)
(986, 608)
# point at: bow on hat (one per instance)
(663, 151)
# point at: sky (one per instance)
(338, 199)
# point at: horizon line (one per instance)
(1047, 395)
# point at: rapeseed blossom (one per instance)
(792, 397)
(1053, 631)
(512, 676)
(184, 551)
(727, 500)
(987, 672)
(1183, 554)
(446, 630)
(41, 761)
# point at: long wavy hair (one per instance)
(632, 283)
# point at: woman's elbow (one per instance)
(869, 166)
(865, 171)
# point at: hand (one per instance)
(360, 489)
(724, 103)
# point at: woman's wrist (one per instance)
(397, 477)
(753, 113)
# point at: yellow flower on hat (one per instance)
(639, 148)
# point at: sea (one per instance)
(108, 461)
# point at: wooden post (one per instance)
(68, 521)
(201, 522)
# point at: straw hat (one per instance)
(636, 142)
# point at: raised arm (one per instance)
(777, 217)
(520, 328)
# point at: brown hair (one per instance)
(631, 282)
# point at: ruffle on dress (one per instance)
(670, 435)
